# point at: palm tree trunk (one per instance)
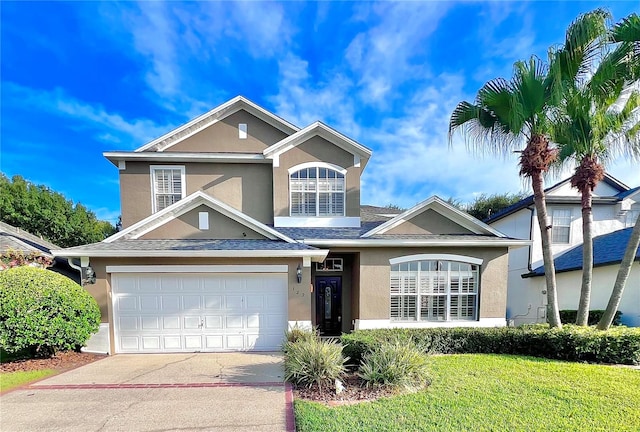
(582, 318)
(621, 278)
(553, 312)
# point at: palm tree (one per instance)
(628, 30)
(506, 113)
(593, 122)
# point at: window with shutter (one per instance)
(167, 185)
(434, 290)
(317, 191)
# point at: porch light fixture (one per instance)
(89, 275)
(299, 273)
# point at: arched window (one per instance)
(316, 190)
(432, 288)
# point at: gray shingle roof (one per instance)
(329, 233)
(20, 240)
(369, 213)
(607, 249)
(192, 245)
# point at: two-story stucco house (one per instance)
(615, 207)
(239, 224)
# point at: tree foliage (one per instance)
(46, 213)
(485, 205)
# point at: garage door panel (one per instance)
(172, 343)
(170, 303)
(193, 342)
(191, 322)
(235, 342)
(127, 303)
(170, 283)
(149, 303)
(234, 302)
(171, 323)
(148, 284)
(233, 322)
(199, 312)
(128, 323)
(151, 343)
(150, 323)
(191, 302)
(214, 342)
(213, 322)
(213, 302)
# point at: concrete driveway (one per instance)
(157, 392)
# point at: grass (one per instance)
(9, 380)
(481, 392)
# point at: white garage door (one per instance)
(199, 312)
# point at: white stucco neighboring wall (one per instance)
(526, 300)
(603, 280)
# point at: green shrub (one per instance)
(572, 343)
(313, 361)
(395, 364)
(568, 316)
(44, 312)
(297, 333)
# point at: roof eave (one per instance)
(315, 255)
(512, 243)
(116, 157)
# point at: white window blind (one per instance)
(434, 290)
(167, 187)
(317, 191)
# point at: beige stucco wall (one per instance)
(246, 187)
(222, 137)
(316, 149)
(186, 227)
(375, 273)
(299, 296)
(429, 222)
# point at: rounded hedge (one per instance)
(44, 312)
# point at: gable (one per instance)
(429, 222)
(223, 136)
(447, 211)
(316, 149)
(186, 226)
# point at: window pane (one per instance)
(167, 187)
(561, 223)
(439, 290)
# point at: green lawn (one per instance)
(479, 392)
(9, 380)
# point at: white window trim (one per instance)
(436, 257)
(183, 182)
(570, 210)
(318, 165)
(441, 257)
(330, 166)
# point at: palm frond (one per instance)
(627, 30)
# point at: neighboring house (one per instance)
(608, 250)
(16, 239)
(615, 206)
(239, 224)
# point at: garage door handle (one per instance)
(201, 324)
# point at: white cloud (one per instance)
(109, 127)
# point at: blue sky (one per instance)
(81, 78)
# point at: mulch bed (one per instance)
(62, 361)
(355, 391)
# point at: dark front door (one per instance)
(329, 304)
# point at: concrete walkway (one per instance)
(157, 392)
